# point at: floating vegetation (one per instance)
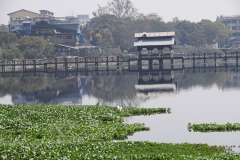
(87, 132)
(213, 127)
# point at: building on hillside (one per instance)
(83, 19)
(45, 25)
(232, 22)
(46, 13)
(16, 18)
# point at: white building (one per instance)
(83, 19)
(17, 18)
(212, 46)
(232, 22)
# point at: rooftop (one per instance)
(21, 10)
(45, 11)
(230, 16)
(155, 42)
(155, 34)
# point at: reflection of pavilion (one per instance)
(153, 87)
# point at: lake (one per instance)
(192, 97)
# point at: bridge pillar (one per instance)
(2, 68)
(160, 60)
(55, 61)
(107, 64)
(23, 67)
(76, 64)
(183, 63)
(13, 63)
(150, 65)
(96, 64)
(66, 66)
(215, 61)
(237, 60)
(118, 65)
(128, 63)
(139, 61)
(34, 67)
(204, 62)
(85, 63)
(225, 60)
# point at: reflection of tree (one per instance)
(114, 90)
(202, 79)
(121, 89)
(19, 84)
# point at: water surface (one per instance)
(198, 98)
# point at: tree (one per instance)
(197, 38)
(11, 52)
(97, 39)
(32, 47)
(8, 46)
(111, 31)
(154, 17)
(51, 45)
(7, 38)
(215, 32)
(185, 29)
(175, 20)
(119, 8)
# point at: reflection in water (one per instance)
(62, 91)
(153, 87)
(124, 90)
(193, 98)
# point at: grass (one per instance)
(87, 132)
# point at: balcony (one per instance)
(232, 24)
(16, 22)
(236, 31)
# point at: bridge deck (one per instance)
(178, 62)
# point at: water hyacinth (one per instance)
(213, 127)
(87, 132)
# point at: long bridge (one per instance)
(212, 62)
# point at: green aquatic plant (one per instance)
(87, 132)
(213, 127)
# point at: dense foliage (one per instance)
(86, 132)
(213, 127)
(119, 8)
(112, 30)
(12, 47)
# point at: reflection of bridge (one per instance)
(121, 65)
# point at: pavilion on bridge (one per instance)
(154, 40)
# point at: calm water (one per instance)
(198, 98)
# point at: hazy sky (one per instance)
(192, 10)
